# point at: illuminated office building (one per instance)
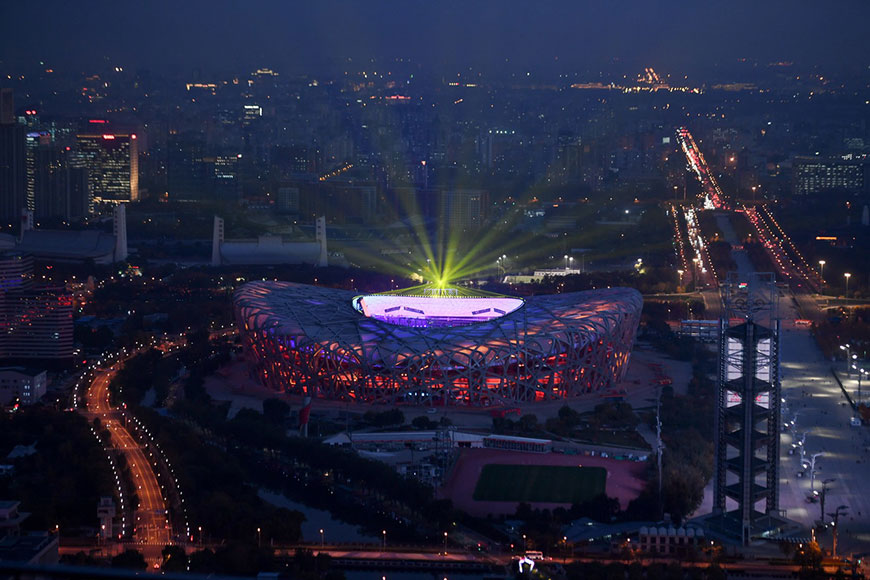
(112, 160)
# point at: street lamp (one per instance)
(321, 538)
(524, 543)
(858, 372)
(848, 350)
(822, 497)
(680, 279)
(500, 264)
(803, 448)
(695, 261)
(259, 537)
(822, 271)
(445, 543)
(847, 275)
(812, 467)
(384, 534)
(566, 261)
(840, 511)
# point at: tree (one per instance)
(79, 559)
(132, 559)
(276, 411)
(528, 423)
(384, 418)
(715, 572)
(203, 562)
(569, 416)
(174, 559)
(244, 559)
(422, 423)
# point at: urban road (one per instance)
(151, 527)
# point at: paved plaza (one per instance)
(816, 402)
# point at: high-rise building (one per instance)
(36, 323)
(12, 162)
(226, 172)
(287, 199)
(463, 208)
(196, 175)
(16, 271)
(7, 107)
(56, 184)
(291, 161)
(112, 159)
(185, 170)
(32, 142)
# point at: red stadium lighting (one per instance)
(331, 344)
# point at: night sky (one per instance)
(303, 36)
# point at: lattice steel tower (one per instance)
(746, 480)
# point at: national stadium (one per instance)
(433, 345)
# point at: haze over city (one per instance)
(492, 36)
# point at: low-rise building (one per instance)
(21, 383)
(670, 540)
(27, 548)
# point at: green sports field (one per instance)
(539, 483)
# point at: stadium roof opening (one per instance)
(435, 306)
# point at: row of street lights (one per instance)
(680, 272)
(852, 364)
(810, 464)
(846, 275)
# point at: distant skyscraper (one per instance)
(185, 169)
(12, 162)
(195, 175)
(463, 208)
(55, 186)
(287, 199)
(119, 229)
(32, 142)
(112, 160)
(226, 173)
(7, 107)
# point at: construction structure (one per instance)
(73, 246)
(269, 249)
(745, 485)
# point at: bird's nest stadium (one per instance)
(434, 346)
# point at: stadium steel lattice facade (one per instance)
(313, 341)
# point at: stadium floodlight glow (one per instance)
(435, 346)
